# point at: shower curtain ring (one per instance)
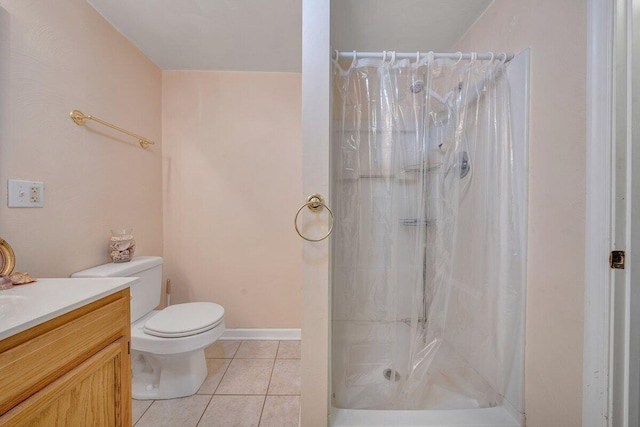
(459, 59)
(384, 56)
(355, 59)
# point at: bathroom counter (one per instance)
(25, 306)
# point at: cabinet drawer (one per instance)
(38, 359)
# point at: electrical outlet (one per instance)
(34, 192)
(25, 194)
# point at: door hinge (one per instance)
(128, 347)
(616, 259)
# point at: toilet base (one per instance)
(167, 376)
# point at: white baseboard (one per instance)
(261, 334)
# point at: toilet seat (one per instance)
(184, 320)
(142, 341)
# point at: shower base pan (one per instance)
(449, 410)
(498, 416)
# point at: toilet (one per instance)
(167, 346)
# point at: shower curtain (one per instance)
(428, 248)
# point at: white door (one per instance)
(625, 391)
(611, 382)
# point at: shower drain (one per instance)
(391, 375)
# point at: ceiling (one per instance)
(238, 35)
(265, 35)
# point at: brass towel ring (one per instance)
(315, 203)
(7, 258)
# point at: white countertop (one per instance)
(25, 306)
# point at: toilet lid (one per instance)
(182, 320)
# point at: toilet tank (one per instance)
(145, 293)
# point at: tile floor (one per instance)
(250, 383)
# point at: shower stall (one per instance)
(427, 256)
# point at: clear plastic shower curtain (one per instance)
(427, 251)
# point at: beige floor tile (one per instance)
(222, 349)
(281, 411)
(289, 350)
(257, 349)
(233, 411)
(246, 376)
(184, 412)
(138, 407)
(286, 377)
(215, 370)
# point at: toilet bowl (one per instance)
(167, 346)
(167, 349)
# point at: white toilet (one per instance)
(167, 346)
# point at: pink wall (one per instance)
(556, 33)
(232, 180)
(232, 163)
(56, 56)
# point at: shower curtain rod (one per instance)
(414, 55)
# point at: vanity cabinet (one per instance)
(73, 370)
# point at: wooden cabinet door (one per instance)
(89, 395)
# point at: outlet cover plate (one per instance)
(20, 194)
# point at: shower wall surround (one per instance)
(428, 255)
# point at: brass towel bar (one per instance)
(80, 119)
